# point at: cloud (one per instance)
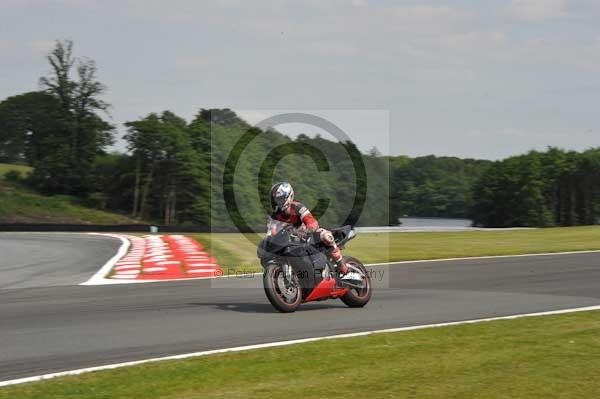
(41, 3)
(474, 40)
(42, 46)
(424, 13)
(537, 10)
(192, 62)
(359, 3)
(419, 20)
(79, 3)
(336, 49)
(5, 45)
(254, 117)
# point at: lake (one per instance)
(435, 222)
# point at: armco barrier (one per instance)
(125, 228)
(74, 227)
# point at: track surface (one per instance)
(53, 326)
(37, 259)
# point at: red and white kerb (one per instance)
(168, 257)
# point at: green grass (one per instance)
(538, 357)
(232, 251)
(235, 252)
(19, 204)
(23, 169)
(411, 246)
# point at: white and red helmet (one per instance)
(282, 195)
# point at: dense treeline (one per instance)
(552, 188)
(176, 171)
(434, 186)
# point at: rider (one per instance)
(286, 210)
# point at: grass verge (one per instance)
(24, 170)
(536, 357)
(20, 204)
(234, 251)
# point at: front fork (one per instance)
(288, 272)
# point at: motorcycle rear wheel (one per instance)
(272, 284)
(357, 298)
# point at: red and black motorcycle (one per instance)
(298, 270)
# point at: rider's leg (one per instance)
(327, 238)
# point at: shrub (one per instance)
(13, 175)
(96, 200)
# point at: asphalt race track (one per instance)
(44, 260)
(48, 323)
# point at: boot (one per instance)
(340, 266)
(346, 274)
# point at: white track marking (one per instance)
(100, 275)
(485, 257)
(435, 229)
(128, 267)
(109, 281)
(286, 343)
(154, 269)
(202, 270)
(122, 272)
(201, 264)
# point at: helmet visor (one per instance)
(281, 200)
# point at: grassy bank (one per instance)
(22, 169)
(234, 251)
(19, 204)
(541, 357)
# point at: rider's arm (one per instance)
(308, 219)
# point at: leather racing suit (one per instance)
(297, 215)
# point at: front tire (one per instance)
(284, 299)
(357, 298)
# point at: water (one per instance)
(422, 224)
(411, 225)
(435, 222)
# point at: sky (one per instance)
(469, 78)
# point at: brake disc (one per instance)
(286, 288)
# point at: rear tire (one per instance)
(357, 298)
(273, 292)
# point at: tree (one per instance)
(224, 117)
(433, 186)
(540, 189)
(27, 125)
(169, 172)
(144, 141)
(82, 134)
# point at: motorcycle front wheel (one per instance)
(283, 291)
(355, 297)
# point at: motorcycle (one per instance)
(300, 269)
